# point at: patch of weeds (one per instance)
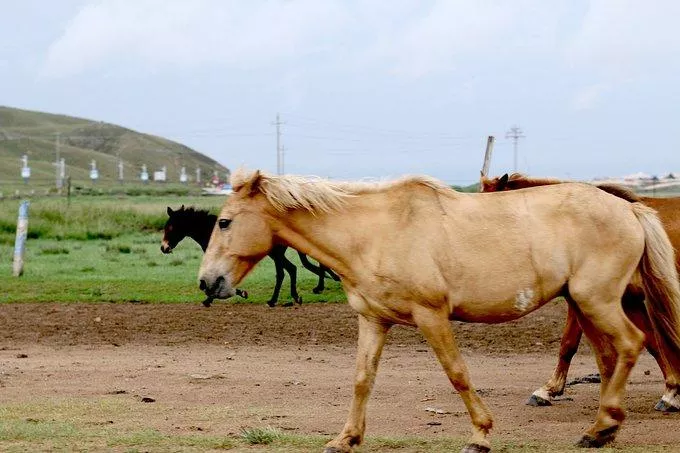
(88, 269)
(177, 262)
(118, 248)
(139, 250)
(261, 436)
(152, 264)
(91, 235)
(54, 251)
(96, 292)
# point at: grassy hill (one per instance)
(81, 141)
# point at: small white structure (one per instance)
(160, 175)
(94, 173)
(25, 169)
(183, 175)
(145, 174)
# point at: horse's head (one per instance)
(496, 184)
(241, 238)
(175, 229)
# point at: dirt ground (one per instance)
(220, 369)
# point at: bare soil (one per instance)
(220, 369)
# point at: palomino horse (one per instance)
(415, 252)
(668, 210)
(198, 225)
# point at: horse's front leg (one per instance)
(436, 328)
(372, 336)
(571, 337)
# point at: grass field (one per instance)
(67, 426)
(104, 249)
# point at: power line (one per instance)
(515, 133)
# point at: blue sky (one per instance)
(366, 88)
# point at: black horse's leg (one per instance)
(330, 273)
(276, 255)
(292, 273)
(318, 270)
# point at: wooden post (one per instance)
(20, 242)
(68, 191)
(487, 156)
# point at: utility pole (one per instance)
(279, 148)
(515, 133)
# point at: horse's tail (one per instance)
(661, 286)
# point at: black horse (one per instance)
(198, 225)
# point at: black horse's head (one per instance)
(176, 228)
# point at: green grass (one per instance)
(81, 429)
(107, 249)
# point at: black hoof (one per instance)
(242, 293)
(537, 401)
(271, 303)
(606, 436)
(207, 302)
(475, 448)
(298, 300)
(663, 406)
(317, 290)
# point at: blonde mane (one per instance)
(316, 194)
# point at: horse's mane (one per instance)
(316, 194)
(192, 212)
(520, 181)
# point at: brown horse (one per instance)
(668, 210)
(415, 252)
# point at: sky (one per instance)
(374, 89)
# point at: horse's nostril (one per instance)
(202, 285)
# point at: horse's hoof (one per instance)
(287, 304)
(475, 448)
(298, 300)
(207, 302)
(317, 290)
(271, 303)
(537, 401)
(588, 441)
(663, 406)
(605, 436)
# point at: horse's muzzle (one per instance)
(218, 288)
(165, 248)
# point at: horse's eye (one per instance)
(224, 223)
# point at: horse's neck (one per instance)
(523, 183)
(201, 233)
(317, 237)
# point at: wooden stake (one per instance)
(487, 156)
(20, 242)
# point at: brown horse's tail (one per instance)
(661, 286)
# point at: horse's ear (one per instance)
(182, 208)
(502, 182)
(251, 185)
(170, 211)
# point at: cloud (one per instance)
(620, 39)
(178, 33)
(588, 97)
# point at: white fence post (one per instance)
(20, 242)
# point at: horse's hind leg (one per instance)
(436, 328)
(633, 305)
(372, 335)
(292, 273)
(617, 344)
(571, 337)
